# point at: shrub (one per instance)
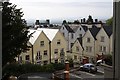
(18, 69)
(108, 59)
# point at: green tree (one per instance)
(14, 33)
(109, 22)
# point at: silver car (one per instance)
(89, 67)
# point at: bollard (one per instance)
(66, 72)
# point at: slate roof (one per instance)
(69, 29)
(80, 41)
(85, 28)
(108, 30)
(94, 30)
(74, 27)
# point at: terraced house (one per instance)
(71, 32)
(94, 44)
(47, 45)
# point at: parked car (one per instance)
(89, 67)
(99, 62)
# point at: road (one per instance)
(82, 75)
(74, 75)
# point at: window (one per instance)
(88, 49)
(80, 35)
(56, 61)
(77, 48)
(27, 57)
(100, 48)
(38, 56)
(58, 41)
(45, 52)
(80, 29)
(75, 57)
(72, 36)
(63, 28)
(42, 43)
(102, 38)
(38, 53)
(62, 52)
(88, 40)
(56, 51)
(104, 49)
(45, 62)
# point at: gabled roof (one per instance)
(80, 41)
(34, 35)
(69, 29)
(74, 27)
(94, 30)
(50, 33)
(108, 30)
(85, 28)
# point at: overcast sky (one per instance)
(65, 9)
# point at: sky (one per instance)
(64, 9)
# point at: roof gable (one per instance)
(108, 30)
(50, 33)
(85, 28)
(94, 31)
(34, 35)
(69, 29)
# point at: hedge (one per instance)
(18, 69)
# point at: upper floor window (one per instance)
(41, 43)
(88, 40)
(56, 51)
(102, 38)
(75, 57)
(77, 48)
(27, 57)
(80, 29)
(38, 53)
(104, 48)
(38, 56)
(88, 49)
(72, 36)
(58, 41)
(45, 52)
